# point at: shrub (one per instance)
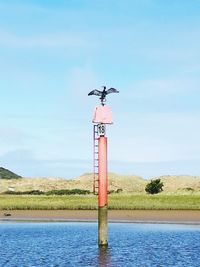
(52, 192)
(189, 189)
(68, 192)
(119, 190)
(154, 187)
(32, 192)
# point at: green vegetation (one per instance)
(44, 202)
(154, 202)
(68, 192)
(31, 192)
(125, 192)
(60, 192)
(6, 174)
(154, 187)
(89, 202)
(116, 183)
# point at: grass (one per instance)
(89, 202)
(26, 202)
(157, 202)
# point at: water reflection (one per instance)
(104, 257)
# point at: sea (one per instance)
(74, 244)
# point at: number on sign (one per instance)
(101, 129)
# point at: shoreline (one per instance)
(127, 216)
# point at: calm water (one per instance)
(75, 244)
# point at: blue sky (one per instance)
(52, 53)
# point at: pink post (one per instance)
(103, 192)
(103, 172)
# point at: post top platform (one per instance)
(102, 114)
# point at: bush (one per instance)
(68, 192)
(119, 190)
(189, 189)
(154, 187)
(52, 192)
(31, 192)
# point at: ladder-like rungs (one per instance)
(95, 161)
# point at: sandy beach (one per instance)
(162, 216)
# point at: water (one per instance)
(75, 244)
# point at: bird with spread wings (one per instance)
(103, 93)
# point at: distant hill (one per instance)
(128, 183)
(125, 183)
(6, 174)
(180, 183)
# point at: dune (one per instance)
(125, 183)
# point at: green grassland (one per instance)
(89, 202)
(179, 193)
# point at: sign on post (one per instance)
(101, 129)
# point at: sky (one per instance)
(53, 53)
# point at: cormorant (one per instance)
(103, 93)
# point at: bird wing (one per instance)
(112, 90)
(95, 92)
